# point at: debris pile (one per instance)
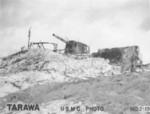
(45, 60)
(40, 66)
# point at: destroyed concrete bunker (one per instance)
(126, 57)
(115, 55)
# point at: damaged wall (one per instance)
(126, 57)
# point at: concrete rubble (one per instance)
(56, 68)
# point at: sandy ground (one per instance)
(66, 82)
(115, 93)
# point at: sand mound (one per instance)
(40, 60)
(28, 70)
(25, 69)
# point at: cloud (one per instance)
(145, 25)
(99, 23)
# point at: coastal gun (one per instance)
(74, 47)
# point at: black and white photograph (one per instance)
(74, 56)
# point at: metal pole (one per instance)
(29, 37)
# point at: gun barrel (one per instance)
(61, 39)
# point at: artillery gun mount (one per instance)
(74, 47)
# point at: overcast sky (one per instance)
(99, 23)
